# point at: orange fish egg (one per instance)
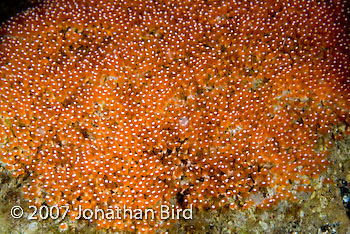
(147, 103)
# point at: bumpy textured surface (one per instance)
(149, 103)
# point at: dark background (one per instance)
(10, 8)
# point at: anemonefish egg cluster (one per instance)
(148, 103)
